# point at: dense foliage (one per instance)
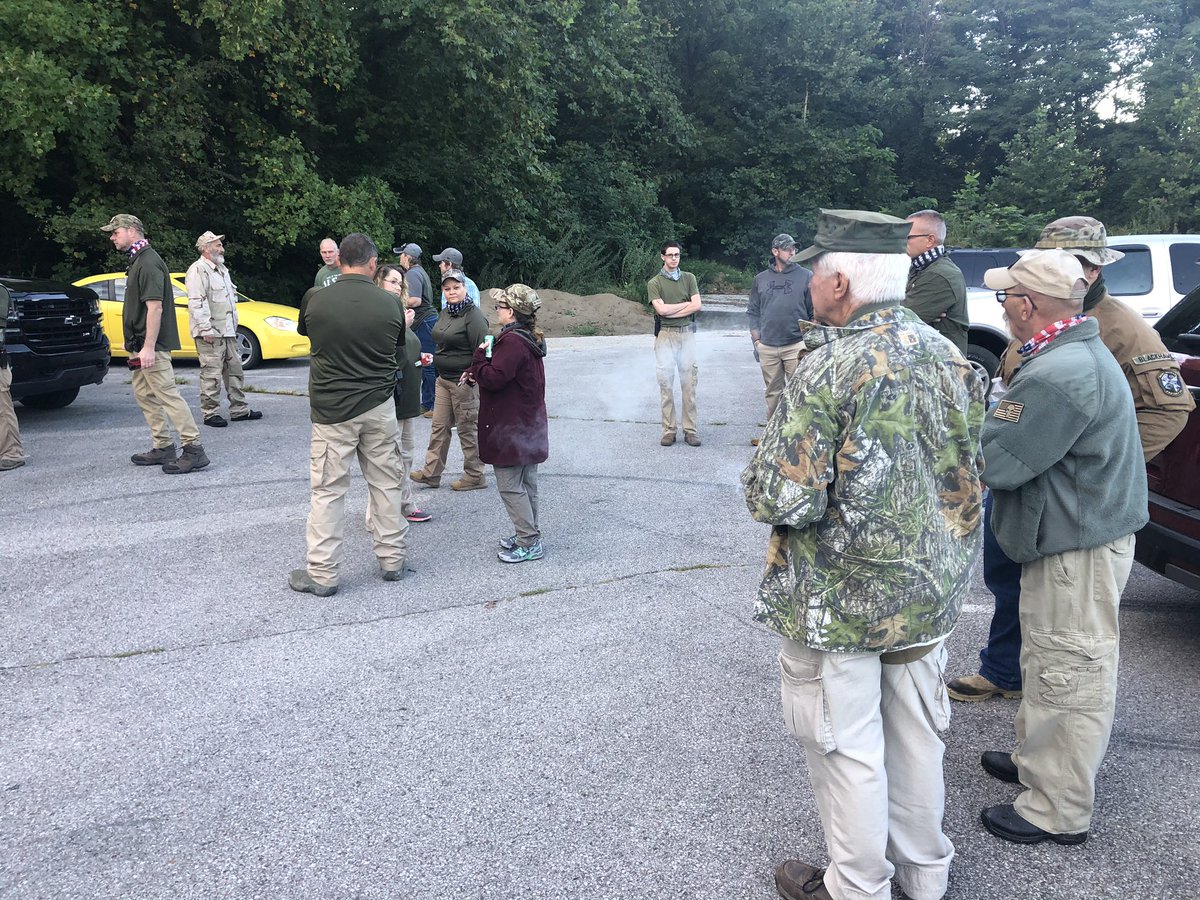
(559, 142)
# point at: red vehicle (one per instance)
(1170, 543)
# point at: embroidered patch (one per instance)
(1171, 383)
(1150, 358)
(1009, 411)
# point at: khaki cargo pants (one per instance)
(675, 351)
(158, 397)
(221, 361)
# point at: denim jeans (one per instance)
(424, 333)
(1000, 660)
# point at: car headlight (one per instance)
(280, 323)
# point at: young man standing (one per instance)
(675, 297)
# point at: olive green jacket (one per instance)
(939, 290)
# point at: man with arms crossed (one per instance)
(675, 297)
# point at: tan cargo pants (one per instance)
(220, 361)
(1069, 651)
(158, 397)
(10, 432)
(454, 404)
(374, 438)
(778, 364)
(675, 351)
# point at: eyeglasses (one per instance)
(670, 254)
(393, 281)
(500, 306)
(1001, 296)
(911, 236)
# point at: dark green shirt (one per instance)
(326, 275)
(940, 288)
(148, 279)
(660, 287)
(357, 334)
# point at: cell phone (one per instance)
(134, 362)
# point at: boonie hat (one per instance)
(857, 231)
(124, 220)
(449, 255)
(408, 250)
(783, 242)
(1055, 273)
(1083, 236)
(520, 298)
(454, 275)
(207, 238)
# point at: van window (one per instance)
(1185, 267)
(1131, 276)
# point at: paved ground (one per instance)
(175, 722)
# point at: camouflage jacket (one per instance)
(869, 469)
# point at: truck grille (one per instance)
(50, 324)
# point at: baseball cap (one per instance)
(449, 255)
(783, 242)
(1055, 273)
(453, 274)
(124, 220)
(207, 238)
(408, 250)
(1083, 236)
(520, 298)
(856, 231)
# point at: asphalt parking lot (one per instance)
(175, 722)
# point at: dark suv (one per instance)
(54, 340)
(1170, 543)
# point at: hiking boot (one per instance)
(301, 581)
(522, 554)
(692, 439)
(9, 464)
(420, 477)
(667, 440)
(418, 515)
(1000, 765)
(508, 543)
(392, 574)
(252, 416)
(795, 880)
(973, 688)
(192, 458)
(1005, 822)
(468, 484)
(215, 421)
(154, 457)
(754, 442)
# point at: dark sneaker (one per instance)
(155, 457)
(468, 484)
(215, 421)
(973, 688)
(522, 554)
(192, 458)
(795, 880)
(301, 581)
(418, 515)
(252, 416)
(1005, 822)
(508, 543)
(420, 477)
(9, 464)
(692, 439)
(667, 440)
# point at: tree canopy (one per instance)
(560, 142)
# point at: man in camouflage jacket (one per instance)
(869, 472)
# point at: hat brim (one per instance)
(109, 227)
(1097, 256)
(1000, 279)
(808, 253)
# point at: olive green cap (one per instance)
(857, 231)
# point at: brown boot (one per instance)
(799, 881)
(668, 439)
(154, 457)
(420, 477)
(468, 484)
(192, 458)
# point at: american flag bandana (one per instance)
(136, 247)
(1047, 334)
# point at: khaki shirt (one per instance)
(212, 300)
(1160, 396)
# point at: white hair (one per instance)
(873, 277)
(933, 220)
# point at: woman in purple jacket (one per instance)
(513, 434)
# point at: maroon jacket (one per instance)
(512, 400)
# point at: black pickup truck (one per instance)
(54, 340)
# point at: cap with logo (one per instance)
(520, 298)
(1083, 236)
(856, 231)
(124, 220)
(207, 238)
(408, 250)
(454, 275)
(451, 256)
(1055, 273)
(783, 242)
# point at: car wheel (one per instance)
(51, 400)
(985, 362)
(249, 348)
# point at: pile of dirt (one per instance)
(570, 315)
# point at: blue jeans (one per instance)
(424, 333)
(1000, 660)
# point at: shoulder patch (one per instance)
(1009, 411)
(1171, 383)
(1151, 358)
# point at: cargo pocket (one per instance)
(937, 701)
(318, 461)
(804, 706)
(1075, 671)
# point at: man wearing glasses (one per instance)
(936, 290)
(1064, 463)
(675, 297)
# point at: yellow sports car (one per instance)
(265, 330)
